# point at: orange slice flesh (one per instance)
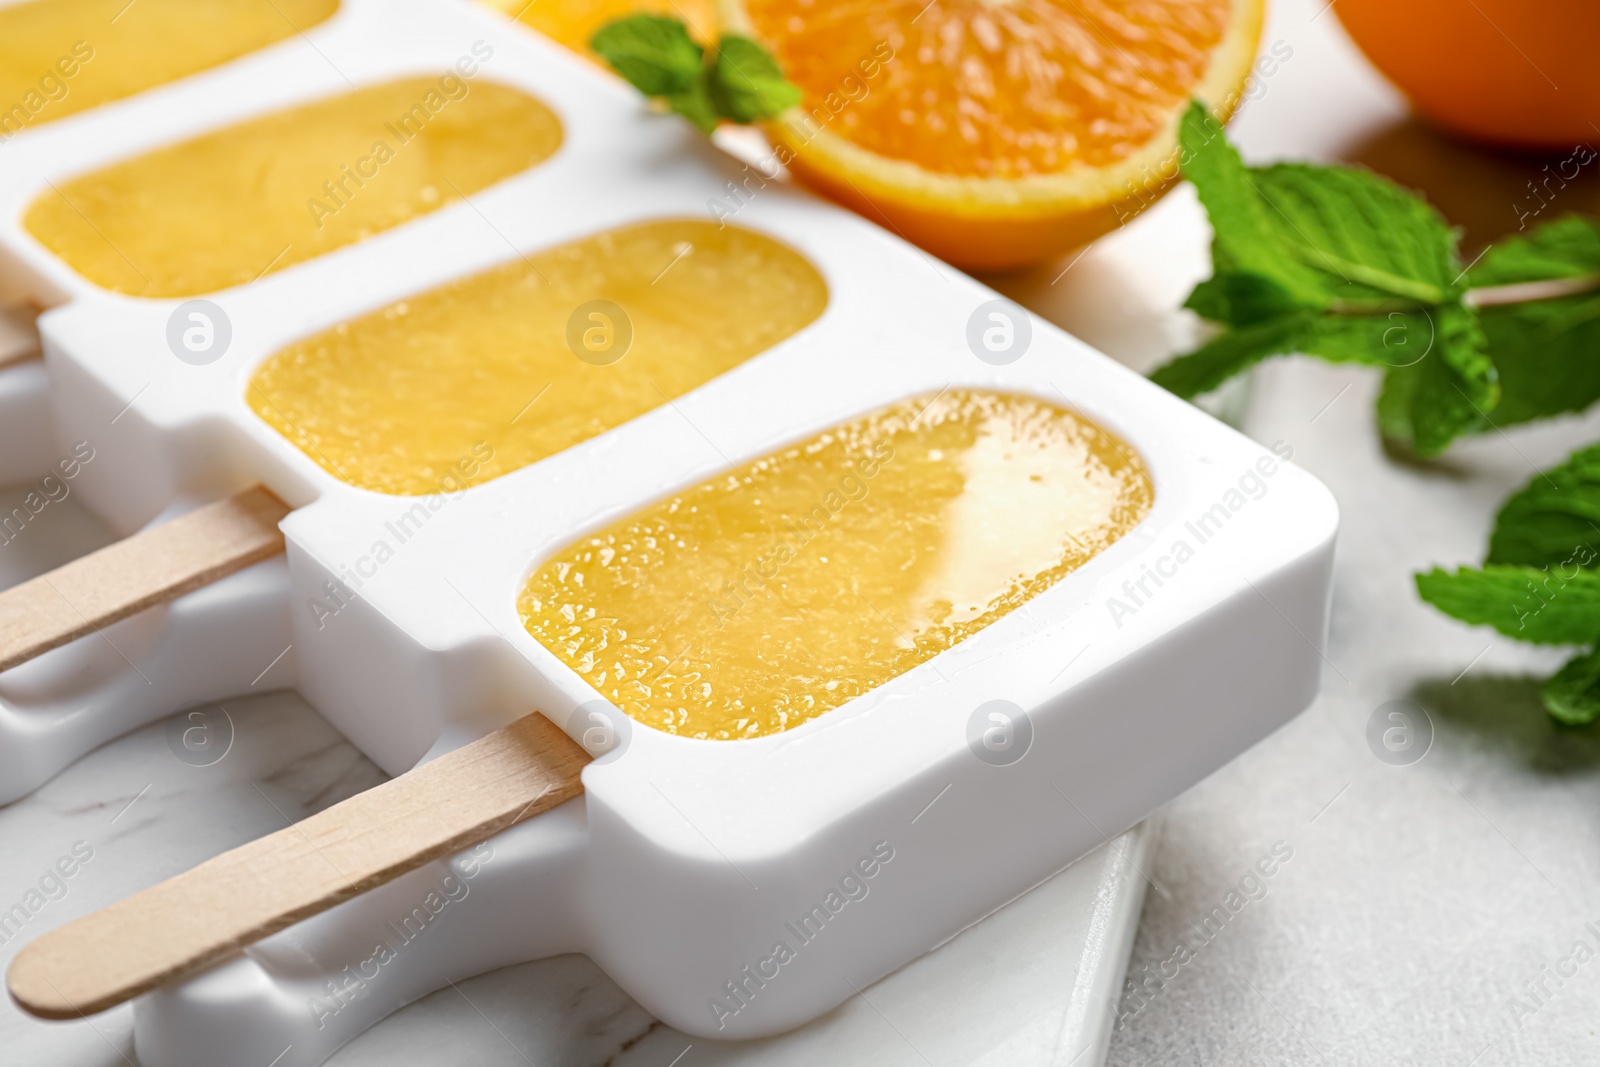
(997, 133)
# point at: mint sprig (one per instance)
(1339, 263)
(1543, 343)
(1540, 582)
(1554, 520)
(737, 81)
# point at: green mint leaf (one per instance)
(1394, 339)
(1440, 410)
(1545, 353)
(1386, 341)
(1240, 299)
(1565, 315)
(1231, 352)
(1554, 520)
(1374, 267)
(1458, 384)
(1572, 696)
(1371, 241)
(745, 82)
(655, 54)
(1569, 247)
(1244, 240)
(1322, 234)
(695, 104)
(1543, 347)
(1400, 386)
(1527, 603)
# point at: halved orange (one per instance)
(997, 133)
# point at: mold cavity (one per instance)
(486, 375)
(765, 597)
(65, 56)
(247, 200)
(482, 376)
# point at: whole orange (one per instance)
(1508, 72)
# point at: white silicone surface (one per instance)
(685, 859)
(26, 434)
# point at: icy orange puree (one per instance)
(60, 57)
(765, 597)
(468, 381)
(230, 206)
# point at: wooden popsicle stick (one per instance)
(19, 338)
(188, 923)
(9, 355)
(139, 572)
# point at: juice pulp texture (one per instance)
(227, 207)
(763, 598)
(60, 57)
(483, 376)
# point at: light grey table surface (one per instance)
(1427, 909)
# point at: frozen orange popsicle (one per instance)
(226, 208)
(769, 595)
(468, 381)
(60, 57)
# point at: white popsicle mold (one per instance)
(684, 861)
(199, 649)
(27, 438)
(122, 126)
